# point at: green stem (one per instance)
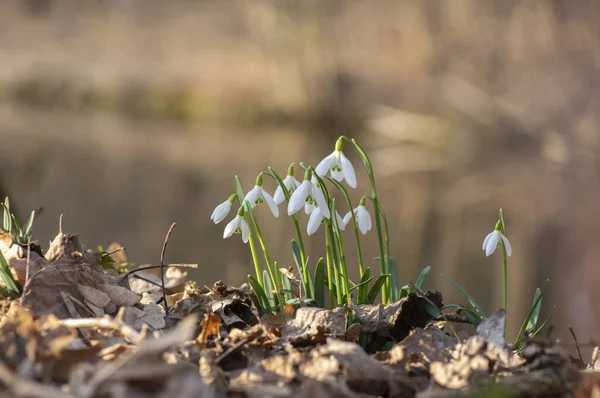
(384, 260)
(505, 277)
(340, 249)
(329, 259)
(335, 260)
(254, 254)
(273, 273)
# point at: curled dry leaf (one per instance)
(312, 325)
(120, 295)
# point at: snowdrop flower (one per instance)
(363, 218)
(258, 195)
(310, 195)
(317, 218)
(290, 183)
(222, 210)
(339, 165)
(491, 241)
(237, 225)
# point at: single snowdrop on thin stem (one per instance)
(258, 195)
(237, 226)
(363, 218)
(317, 218)
(290, 183)
(222, 210)
(338, 164)
(309, 196)
(491, 241)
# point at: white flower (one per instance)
(290, 184)
(237, 225)
(317, 218)
(309, 194)
(258, 195)
(490, 243)
(363, 218)
(339, 165)
(221, 212)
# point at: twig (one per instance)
(104, 323)
(60, 224)
(576, 343)
(133, 271)
(162, 266)
(27, 388)
(152, 283)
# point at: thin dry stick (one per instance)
(152, 283)
(162, 266)
(133, 271)
(576, 343)
(104, 323)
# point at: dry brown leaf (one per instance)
(211, 325)
(314, 324)
(94, 296)
(121, 296)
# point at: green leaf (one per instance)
(543, 324)
(17, 226)
(319, 288)
(29, 225)
(467, 295)
(536, 311)
(9, 281)
(361, 284)
(268, 289)
(288, 292)
(260, 294)
(372, 295)
(422, 276)
(300, 267)
(473, 316)
(362, 291)
(530, 314)
(7, 223)
(394, 282)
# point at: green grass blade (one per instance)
(288, 292)
(298, 260)
(422, 277)
(363, 289)
(394, 281)
(374, 292)
(319, 288)
(467, 295)
(17, 226)
(7, 223)
(530, 314)
(543, 324)
(9, 281)
(531, 325)
(29, 225)
(260, 294)
(269, 289)
(361, 284)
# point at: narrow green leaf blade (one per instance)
(269, 289)
(530, 313)
(543, 323)
(536, 311)
(363, 289)
(300, 267)
(29, 225)
(422, 277)
(9, 281)
(394, 282)
(288, 292)
(372, 295)
(7, 223)
(260, 294)
(319, 289)
(466, 294)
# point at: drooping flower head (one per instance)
(222, 210)
(363, 218)
(317, 218)
(491, 241)
(338, 164)
(308, 195)
(237, 226)
(258, 195)
(289, 182)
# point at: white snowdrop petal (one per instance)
(507, 245)
(298, 197)
(485, 241)
(337, 175)
(340, 221)
(492, 243)
(230, 227)
(309, 208)
(221, 212)
(271, 203)
(347, 218)
(251, 196)
(245, 230)
(278, 197)
(348, 171)
(364, 219)
(324, 165)
(321, 202)
(314, 221)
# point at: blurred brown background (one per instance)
(128, 115)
